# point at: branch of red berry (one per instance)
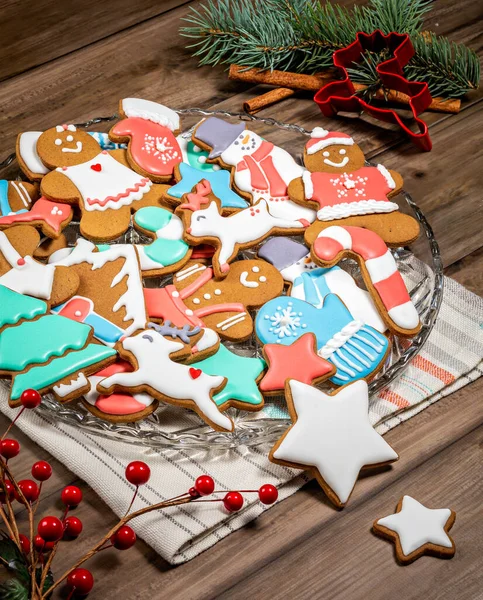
(28, 558)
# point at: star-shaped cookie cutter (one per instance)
(341, 95)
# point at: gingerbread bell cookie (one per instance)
(105, 189)
(150, 131)
(345, 191)
(417, 530)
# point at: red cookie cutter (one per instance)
(341, 95)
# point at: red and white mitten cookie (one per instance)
(150, 130)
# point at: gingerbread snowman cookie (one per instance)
(105, 188)
(344, 191)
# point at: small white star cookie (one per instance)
(417, 530)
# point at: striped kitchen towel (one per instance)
(451, 358)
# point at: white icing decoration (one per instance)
(70, 138)
(244, 280)
(340, 164)
(209, 339)
(245, 226)
(27, 146)
(227, 323)
(285, 322)
(76, 150)
(133, 298)
(263, 279)
(22, 193)
(114, 179)
(328, 141)
(31, 278)
(196, 300)
(333, 434)
(417, 525)
(185, 273)
(175, 294)
(169, 379)
(308, 185)
(58, 142)
(151, 111)
(387, 176)
(64, 389)
(340, 338)
(256, 269)
(59, 128)
(217, 292)
(347, 209)
(206, 296)
(92, 395)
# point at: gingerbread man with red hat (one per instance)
(346, 191)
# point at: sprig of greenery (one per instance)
(302, 35)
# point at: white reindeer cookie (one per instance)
(156, 373)
(204, 224)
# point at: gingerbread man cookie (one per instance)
(23, 274)
(105, 189)
(198, 299)
(205, 224)
(150, 129)
(344, 191)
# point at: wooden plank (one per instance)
(344, 560)
(469, 271)
(34, 33)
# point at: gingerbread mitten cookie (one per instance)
(339, 185)
(150, 129)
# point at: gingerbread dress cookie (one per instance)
(345, 191)
(105, 189)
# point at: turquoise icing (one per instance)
(166, 252)
(44, 376)
(194, 158)
(15, 306)
(37, 341)
(152, 218)
(4, 204)
(104, 142)
(220, 185)
(241, 372)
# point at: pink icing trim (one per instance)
(195, 285)
(52, 214)
(218, 308)
(119, 404)
(124, 194)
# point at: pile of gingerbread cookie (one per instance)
(122, 322)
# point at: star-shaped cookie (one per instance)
(187, 177)
(417, 530)
(331, 435)
(242, 373)
(298, 361)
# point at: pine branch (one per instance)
(302, 35)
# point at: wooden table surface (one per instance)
(59, 64)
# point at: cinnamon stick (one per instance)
(258, 103)
(312, 83)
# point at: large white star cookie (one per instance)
(332, 436)
(417, 530)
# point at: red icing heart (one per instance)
(97, 167)
(195, 373)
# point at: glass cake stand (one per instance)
(173, 427)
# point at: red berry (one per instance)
(124, 538)
(194, 493)
(30, 398)
(72, 527)
(10, 491)
(233, 501)
(268, 493)
(9, 448)
(205, 485)
(49, 546)
(29, 489)
(71, 496)
(50, 529)
(41, 470)
(81, 580)
(24, 543)
(39, 543)
(138, 473)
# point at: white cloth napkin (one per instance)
(451, 358)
